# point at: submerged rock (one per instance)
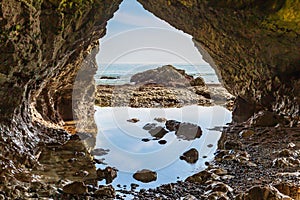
(158, 132)
(145, 176)
(149, 126)
(75, 188)
(190, 156)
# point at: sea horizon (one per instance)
(122, 72)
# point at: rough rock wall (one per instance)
(42, 46)
(254, 44)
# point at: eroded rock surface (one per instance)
(251, 44)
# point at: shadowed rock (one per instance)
(184, 130)
(75, 188)
(109, 174)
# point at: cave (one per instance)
(253, 45)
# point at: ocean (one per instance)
(123, 72)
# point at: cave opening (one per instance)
(45, 44)
(149, 75)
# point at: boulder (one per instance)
(200, 177)
(190, 156)
(75, 188)
(262, 193)
(166, 75)
(198, 82)
(109, 174)
(158, 132)
(145, 176)
(105, 191)
(184, 130)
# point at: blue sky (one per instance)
(135, 35)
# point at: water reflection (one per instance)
(132, 148)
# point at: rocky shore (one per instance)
(161, 88)
(251, 163)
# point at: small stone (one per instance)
(190, 156)
(145, 140)
(160, 119)
(145, 176)
(210, 145)
(79, 153)
(219, 187)
(133, 120)
(105, 191)
(285, 153)
(75, 188)
(189, 197)
(246, 133)
(217, 195)
(134, 186)
(109, 174)
(227, 177)
(72, 160)
(291, 145)
(286, 162)
(200, 177)
(162, 142)
(231, 144)
(219, 171)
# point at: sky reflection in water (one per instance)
(128, 153)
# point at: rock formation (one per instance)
(252, 45)
(43, 44)
(167, 75)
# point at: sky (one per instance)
(135, 35)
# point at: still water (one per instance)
(128, 153)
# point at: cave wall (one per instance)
(43, 45)
(254, 46)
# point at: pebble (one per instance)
(133, 120)
(246, 133)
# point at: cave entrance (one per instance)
(152, 88)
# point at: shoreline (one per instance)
(156, 95)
